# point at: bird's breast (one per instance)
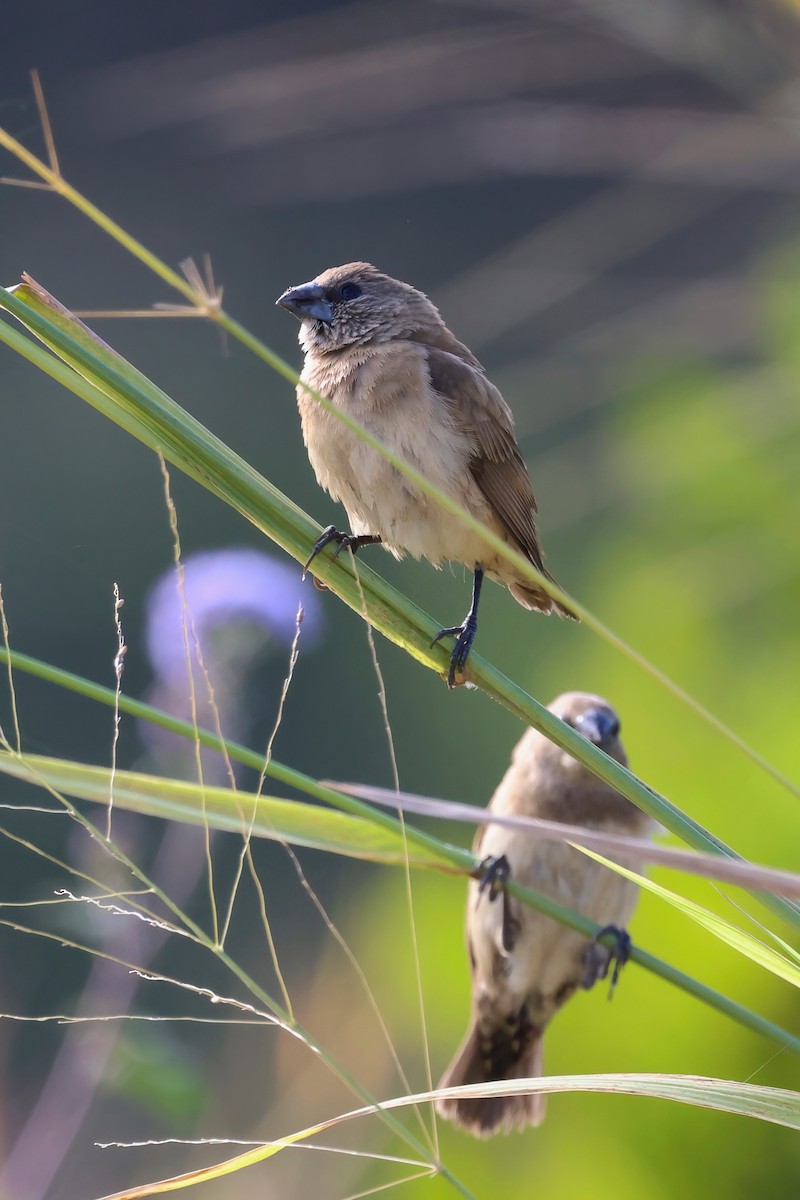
(388, 392)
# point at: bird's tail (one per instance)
(530, 596)
(509, 1051)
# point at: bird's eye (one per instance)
(349, 291)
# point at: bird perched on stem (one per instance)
(526, 965)
(380, 351)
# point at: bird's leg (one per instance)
(346, 541)
(493, 874)
(463, 633)
(597, 957)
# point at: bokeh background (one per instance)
(602, 198)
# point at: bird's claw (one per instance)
(345, 541)
(465, 636)
(331, 534)
(493, 875)
(598, 957)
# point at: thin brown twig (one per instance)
(44, 117)
(181, 578)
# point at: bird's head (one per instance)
(551, 783)
(595, 719)
(357, 304)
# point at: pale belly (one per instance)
(379, 500)
(547, 956)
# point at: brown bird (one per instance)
(526, 965)
(379, 349)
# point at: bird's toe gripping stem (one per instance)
(345, 541)
(465, 636)
(598, 957)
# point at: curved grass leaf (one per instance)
(745, 943)
(776, 1105)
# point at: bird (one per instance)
(525, 965)
(380, 351)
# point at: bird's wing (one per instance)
(496, 463)
(443, 339)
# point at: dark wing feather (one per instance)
(496, 463)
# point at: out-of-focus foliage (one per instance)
(153, 1070)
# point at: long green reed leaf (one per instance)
(291, 821)
(776, 1105)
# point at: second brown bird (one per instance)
(525, 965)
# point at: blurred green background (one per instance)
(603, 202)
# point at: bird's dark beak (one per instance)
(307, 302)
(597, 725)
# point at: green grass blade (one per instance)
(745, 943)
(461, 859)
(238, 812)
(778, 1106)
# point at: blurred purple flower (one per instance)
(241, 609)
(223, 588)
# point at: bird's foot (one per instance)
(598, 958)
(465, 636)
(493, 875)
(346, 541)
